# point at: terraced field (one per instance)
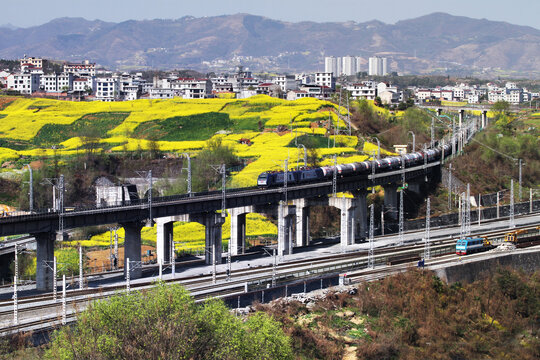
(31, 128)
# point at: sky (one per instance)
(36, 12)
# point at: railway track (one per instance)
(202, 286)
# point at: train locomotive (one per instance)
(306, 175)
(472, 245)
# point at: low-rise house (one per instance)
(326, 79)
(190, 88)
(160, 93)
(363, 90)
(296, 94)
(25, 83)
(84, 69)
(106, 89)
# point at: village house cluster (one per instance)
(85, 81)
(473, 94)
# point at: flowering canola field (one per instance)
(22, 119)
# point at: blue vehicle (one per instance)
(470, 245)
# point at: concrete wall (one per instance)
(471, 271)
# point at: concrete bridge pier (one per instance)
(461, 116)
(132, 248)
(439, 111)
(360, 219)
(391, 202)
(348, 218)
(212, 223)
(165, 236)
(302, 222)
(286, 216)
(237, 242)
(484, 118)
(164, 240)
(44, 261)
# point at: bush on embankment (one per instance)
(165, 323)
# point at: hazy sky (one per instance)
(26, 13)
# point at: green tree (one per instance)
(165, 323)
(501, 107)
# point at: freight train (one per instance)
(277, 178)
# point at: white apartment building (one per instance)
(56, 82)
(285, 83)
(192, 88)
(332, 65)
(106, 89)
(84, 84)
(364, 90)
(377, 66)
(303, 78)
(85, 69)
(349, 65)
(513, 95)
(34, 61)
(325, 79)
(473, 98)
(346, 65)
(23, 83)
(160, 93)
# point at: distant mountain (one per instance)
(8, 26)
(436, 42)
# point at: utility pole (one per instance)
(223, 189)
(334, 177)
(150, 197)
(498, 204)
(450, 187)
(31, 185)
(127, 276)
(479, 209)
(371, 252)
(55, 285)
(16, 261)
(401, 208)
(81, 278)
(274, 268)
(286, 179)
(61, 209)
(520, 164)
(64, 299)
(305, 156)
(116, 247)
(463, 206)
(382, 222)
(432, 132)
(378, 148)
(413, 141)
(15, 302)
(186, 155)
(511, 221)
(427, 249)
(468, 211)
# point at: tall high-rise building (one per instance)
(377, 66)
(358, 64)
(346, 65)
(349, 65)
(332, 65)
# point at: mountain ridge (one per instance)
(417, 45)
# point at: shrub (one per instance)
(166, 323)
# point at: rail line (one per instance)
(201, 286)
